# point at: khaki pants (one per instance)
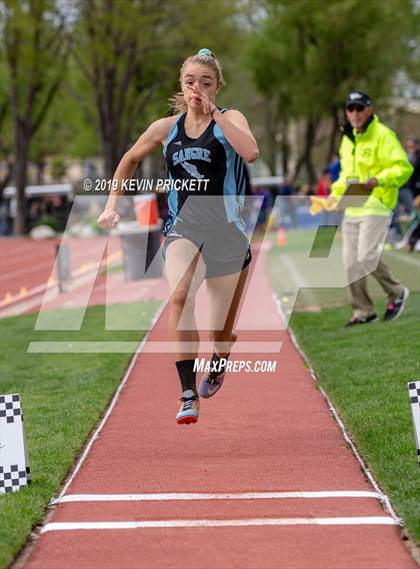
(363, 239)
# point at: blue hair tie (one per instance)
(205, 52)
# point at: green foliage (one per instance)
(49, 221)
(127, 57)
(307, 55)
(58, 169)
(310, 53)
(35, 52)
(68, 130)
(303, 56)
(6, 139)
(409, 81)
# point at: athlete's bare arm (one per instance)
(234, 125)
(155, 135)
(236, 129)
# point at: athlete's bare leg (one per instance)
(185, 271)
(224, 294)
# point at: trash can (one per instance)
(140, 245)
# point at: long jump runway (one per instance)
(264, 480)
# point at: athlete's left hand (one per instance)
(208, 106)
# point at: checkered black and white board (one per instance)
(14, 466)
(414, 394)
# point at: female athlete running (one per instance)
(205, 236)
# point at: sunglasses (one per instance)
(352, 108)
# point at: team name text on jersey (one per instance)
(191, 154)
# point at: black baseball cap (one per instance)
(358, 98)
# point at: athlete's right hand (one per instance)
(108, 219)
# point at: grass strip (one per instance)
(365, 370)
(63, 398)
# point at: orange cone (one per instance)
(281, 237)
(146, 210)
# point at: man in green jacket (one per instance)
(372, 156)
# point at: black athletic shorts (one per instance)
(225, 248)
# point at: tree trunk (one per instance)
(298, 166)
(108, 149)
(20, 175)
(4, 182)
(40, 172)
(285, 149)
(20, 226)
(271, 140)
(311, 127)
(335, 125)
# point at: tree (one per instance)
(309, 53)
(5, 118)
(129, 54)
(37, 48)
(5, 143)
(117, 53)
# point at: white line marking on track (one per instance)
(349, 521)
(26, 271)
(155, 347)
(401, 257)
(227, 496)
(298, 279)
(384, 498)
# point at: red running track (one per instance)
(29, 263)
(261, 433)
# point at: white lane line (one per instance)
(349, 521)
(299, 280)
(404, 259)
(202, 496)
(26, 271)
(384, 498)
(155, 347)
(80, 275)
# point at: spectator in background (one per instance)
(334, 167)
(323, 190)
(263, 206)
(412, 187)
(250, 212)
(34, 212)
(410, 241)
(5, 228)
(324, 185)
(412, 146)
(370, 154)
(404, 210)
(305, 190)
(285, 203)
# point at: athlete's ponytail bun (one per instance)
(206, 53)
